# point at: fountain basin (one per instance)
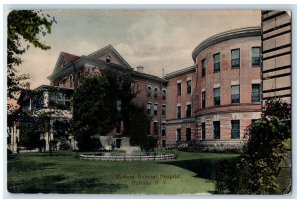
(141, 156)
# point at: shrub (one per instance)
(256, 172)
(227, 176)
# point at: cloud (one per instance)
(153, 39)
(39, 65)
(155, 44)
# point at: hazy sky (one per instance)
(155, 39)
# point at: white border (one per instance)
(90, 4)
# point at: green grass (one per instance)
(63, 172)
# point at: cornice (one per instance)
(224, 36)
(148, 78)
(180, 72)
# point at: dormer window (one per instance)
(108, 58)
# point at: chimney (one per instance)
(140, 69)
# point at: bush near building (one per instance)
(256, 171)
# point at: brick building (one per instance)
(209, 104)
(181, 112)
(70, 70)
(228, 73)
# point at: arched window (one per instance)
(149, 92)
(164, 95)
(155, 92)
(108, 58)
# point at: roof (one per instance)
(25, 95)
(109, 48)
(180, 72)
(63, 60)
(62, 68)
(223, 36)
(148, 77)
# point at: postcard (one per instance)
(155, 102)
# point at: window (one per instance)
(155, 109)
(163, 132)
(108, 58)
(179, 89)
(155, 93)
(188, 110)
(60, 99)
(255, 51)
(255, 92)
(235, 58)
(188, 134)
(204, 64)
(149, 108)
(164, 94)
(178, 111)
(203, 99)
(163, 110)
(203, 131)
(155, 128)
(39, 102)
(163, 143)
(67, 102)
(189, 87)
(217, 99)
(235, 94)
(178, 138)
(71, 80)
(235, 129)
(217, 63)
(216, 129)
(163, 129)
(149, 92)
(52, 99)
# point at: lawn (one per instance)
(63, 172)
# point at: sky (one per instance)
(155, 39)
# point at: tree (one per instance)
(136, 125)
(94, 110)
(258, 167)
(30, 135)
(61, 133)
(24, 28)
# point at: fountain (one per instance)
(136, 156)
(132, 153)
